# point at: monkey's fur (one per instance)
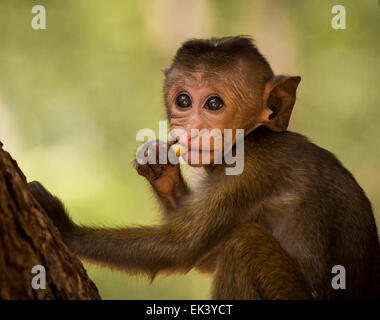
(273, 232)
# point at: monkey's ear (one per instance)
(165, 71)
(279, 99)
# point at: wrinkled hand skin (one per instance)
(165, 179)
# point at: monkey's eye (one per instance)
(214, 103)
(183, 101)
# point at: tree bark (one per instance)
(28, 238)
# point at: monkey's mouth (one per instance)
(181, 150)
(198, 157)
(199, 150)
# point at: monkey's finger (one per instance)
(43, 196)
(146, 171)
(171, 142)
(149, 152)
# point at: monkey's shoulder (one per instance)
(290, 153)
(294, 171)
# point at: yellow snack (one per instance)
(179, 149)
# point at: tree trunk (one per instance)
(29, 238)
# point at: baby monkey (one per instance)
(276, 230)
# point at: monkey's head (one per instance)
(224, 84)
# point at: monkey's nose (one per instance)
(192, 133)
(185, 137)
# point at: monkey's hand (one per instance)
(53, 207)
(165, 178)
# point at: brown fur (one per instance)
(329, 222)
(273, 232)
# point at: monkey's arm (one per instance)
(166, 179)
(185, 241)
(177, 245)
(170, 189)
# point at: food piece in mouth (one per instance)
(179, 149)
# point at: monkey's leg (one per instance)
(253, 265)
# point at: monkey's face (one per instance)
(201, 105)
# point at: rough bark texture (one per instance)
(27, 238)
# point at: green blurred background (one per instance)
(73, 97)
